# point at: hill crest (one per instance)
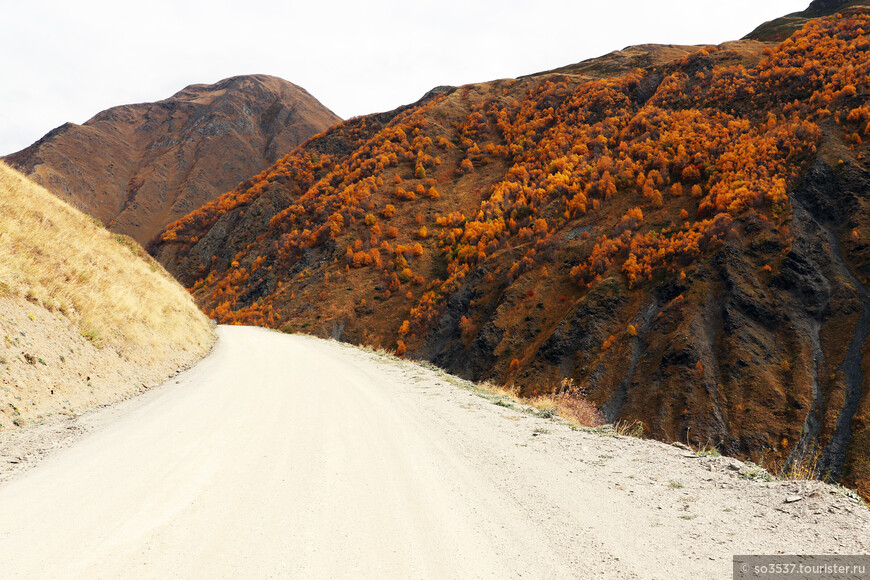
(138, 167)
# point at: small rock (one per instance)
(793, 498)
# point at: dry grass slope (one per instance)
(63, 260)
(92, 283)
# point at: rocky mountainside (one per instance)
(781, 28)
(684, 243)
(138, 167)
(647, 56)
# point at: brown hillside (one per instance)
(139, 167)
(781, 28)
(685, 242)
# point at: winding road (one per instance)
(292, 457)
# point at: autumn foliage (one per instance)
(523, 198)
(712, 142)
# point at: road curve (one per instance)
(290, 457)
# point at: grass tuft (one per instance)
(568, 403)
(629, 429)
(755, 472)
(92, 335)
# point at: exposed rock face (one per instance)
(138, 167)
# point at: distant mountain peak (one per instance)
(138, 167)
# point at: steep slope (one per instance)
(86, 316)
(684, 243)
(781, 28)
(138, 167)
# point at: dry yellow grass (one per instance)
(570, 405)
(113, 292)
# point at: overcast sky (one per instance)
(66, 61)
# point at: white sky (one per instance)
(66, 61)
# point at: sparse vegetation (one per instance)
(91, 335)
(545, 407)
(755, 472)
(851, 494)
(802, 468)
(568, 405)
(629, 429)
(58, 258)
(66, 277)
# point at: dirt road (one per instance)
(286, 456)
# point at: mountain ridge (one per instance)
(780, 28)
(137, 167)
